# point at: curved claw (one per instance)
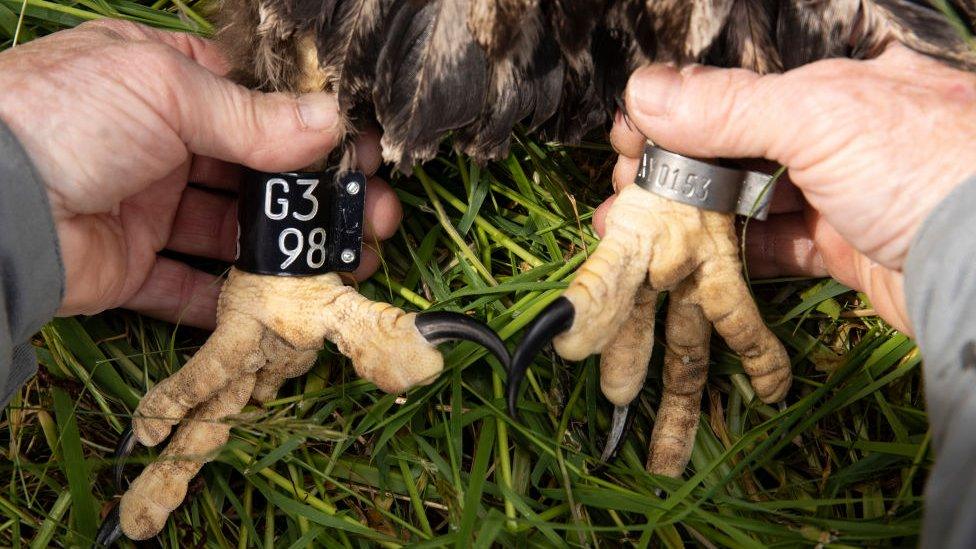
(619, 425)
(552, 321)
(110, 530)
(127, 443)
(440, 326)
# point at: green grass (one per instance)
(335, 462)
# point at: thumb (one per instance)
(265, 131)
(711, 113)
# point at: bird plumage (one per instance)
(474, 69)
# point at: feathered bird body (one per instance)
(474, 69)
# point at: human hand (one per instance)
(117, 118)
(872, 146)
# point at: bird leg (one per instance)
(685, 373)
(162, 485)
(292, 363)
(269, 329)
(623, 364)
(666, 245)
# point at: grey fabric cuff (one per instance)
(940, 293)
(940, 266)
(31, 273)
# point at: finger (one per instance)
(269, 132)
(177, 293)
(882, 285)
(368, 151)
(885, 288)
(205, 225)
(787, 198)
(685, 373)
(725, 299)
(369, 263)
(626, 139)
(216, 174)
(708, 112)
(205, 52)
(383, 210)
(232, 351)
(839, 257)
(603, 291)
(162, 486)
(624, 172)
(782, 246)
(600, 216)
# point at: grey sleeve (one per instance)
(31, 274)
(940, 290)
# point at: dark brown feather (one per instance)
(262, 41)
(348, 49)
(677, 30)
(525, 84)
(524, 81)
(579, 107)
(498, 25)
(477, 68)
(809, 30)
(572, 22)
(919, 27)
(431, 79)
(966, 9)
(747, 40)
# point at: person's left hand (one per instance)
(117, 118)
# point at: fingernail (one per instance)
(318, 111)
(652, 90)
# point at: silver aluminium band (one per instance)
(704, 185)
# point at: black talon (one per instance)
(552, 321)
(441, 326)
(619, 426)
(127, 442)
(110, 530)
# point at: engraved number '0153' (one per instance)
(690, 185)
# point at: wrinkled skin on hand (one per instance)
(871, 147)
(117, 118)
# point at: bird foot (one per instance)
(654, 244)
(269, 329)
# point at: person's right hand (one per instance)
(872, 145)
(117, 118)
